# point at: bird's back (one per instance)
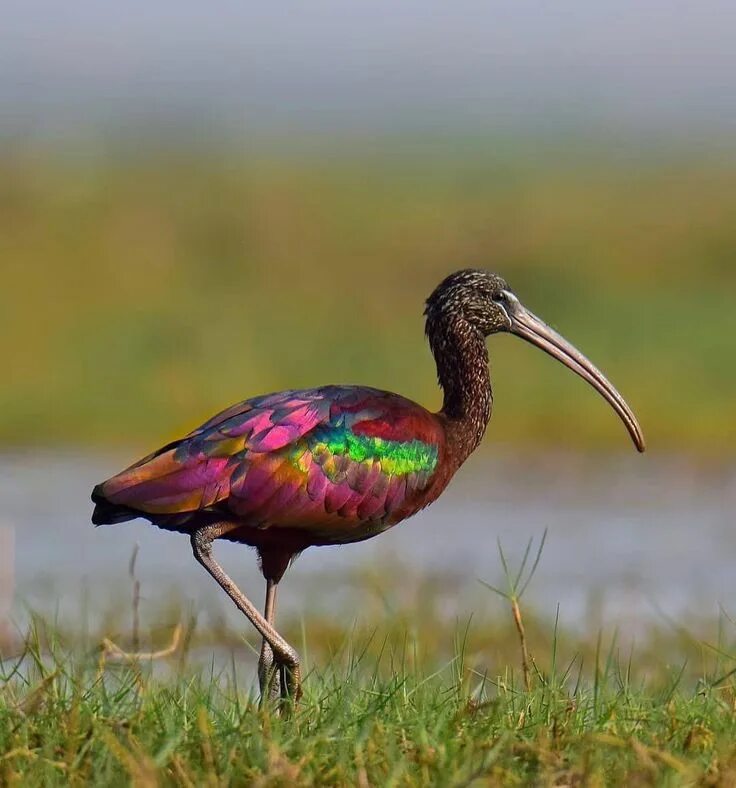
(332, 464)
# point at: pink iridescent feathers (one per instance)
(340, 462)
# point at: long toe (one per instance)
(269, 675)
(291, 683)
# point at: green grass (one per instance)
(366, 719)
(410, 699)
(143, 292)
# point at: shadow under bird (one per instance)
(336, 464)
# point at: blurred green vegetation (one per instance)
(142, 292)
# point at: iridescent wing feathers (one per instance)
(323, 459)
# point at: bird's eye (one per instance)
(500, 297)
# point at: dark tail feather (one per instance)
(107, 513)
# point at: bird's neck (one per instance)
(462, 369)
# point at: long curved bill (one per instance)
(529, 327)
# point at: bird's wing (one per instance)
(305, 458)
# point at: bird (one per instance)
(335, 464)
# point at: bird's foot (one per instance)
(279, 679)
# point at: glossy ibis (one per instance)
(336, 464)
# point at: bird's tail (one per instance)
(107, 513)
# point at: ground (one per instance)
(406, 699)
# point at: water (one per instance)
(630, 539)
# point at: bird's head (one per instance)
(479, 301)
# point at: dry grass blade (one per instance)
(136, 596)
(516, 612)
(517, 585)
(112, 651)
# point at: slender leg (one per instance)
(283, 653)
(269, 676)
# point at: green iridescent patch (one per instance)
(397, 458)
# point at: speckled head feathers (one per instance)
(473, 295)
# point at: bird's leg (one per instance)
(283, 653)
(269, 676)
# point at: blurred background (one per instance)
(199, 204)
